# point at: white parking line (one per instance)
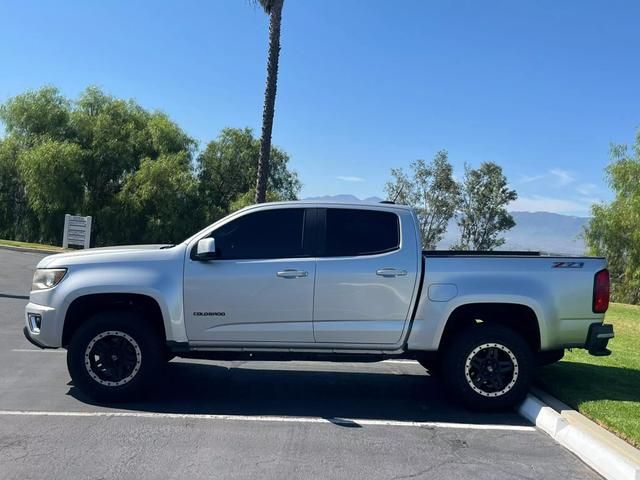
(29, 350)
(269, 418)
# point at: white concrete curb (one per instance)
(604, 459)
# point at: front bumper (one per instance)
(32, 341)
(597, 339)
(48, 334)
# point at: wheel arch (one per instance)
(83, 307)
(517, 316)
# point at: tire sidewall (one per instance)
(458, 352)
(152, 355)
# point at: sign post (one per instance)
(77, 231)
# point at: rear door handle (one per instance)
(292, 273)
(391, 272)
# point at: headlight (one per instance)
(47, 278)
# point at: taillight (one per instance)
(601, 291)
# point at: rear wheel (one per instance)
(114, 356)
(488, 367)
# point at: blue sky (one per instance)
(540, 87)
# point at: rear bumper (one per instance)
(597, 339)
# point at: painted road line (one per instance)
(270, 418)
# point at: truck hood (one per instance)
(105, 255)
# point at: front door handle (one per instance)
(292, 273)
(391, 272)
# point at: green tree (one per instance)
(31, 119)
(17, 220)
(103, 141)
(43, 112)
(273, 8)
(431, 191)
(51, 175)
(227, 169)
(115, 136)
(614, 229)
(483, 216)
(159, 201)
(248, 198)
(134, 171)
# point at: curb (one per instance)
(30, 249)
(605, 457)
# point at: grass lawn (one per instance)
(13, 243)
(605, 389)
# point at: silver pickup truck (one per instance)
(317, 281)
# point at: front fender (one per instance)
(159, 280)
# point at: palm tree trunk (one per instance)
(269, 100)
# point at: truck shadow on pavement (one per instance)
(353, 391)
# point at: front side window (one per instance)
(351, 232)
(274, 233)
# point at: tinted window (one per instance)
(360, 232)
(269, 234)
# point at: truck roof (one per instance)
(329, 203)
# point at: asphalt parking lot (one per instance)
(266, 420)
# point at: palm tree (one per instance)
(273, 8)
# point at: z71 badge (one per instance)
(568, 265)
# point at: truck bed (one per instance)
(480, 253)
(498, 253)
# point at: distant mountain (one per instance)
(540, 231)
(549, 232)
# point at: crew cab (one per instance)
(317, 281)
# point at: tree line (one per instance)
(144, 180)
(478, 202)
(135, 171)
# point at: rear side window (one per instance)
(352, 232)
(274, 233)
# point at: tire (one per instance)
(114, 356)
(488, 367)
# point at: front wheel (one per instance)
(112, 357)
(488, 367)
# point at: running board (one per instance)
(185, 350)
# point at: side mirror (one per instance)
(206, 249)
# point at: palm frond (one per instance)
(266, 5)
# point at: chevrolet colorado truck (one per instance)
(317, 281)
